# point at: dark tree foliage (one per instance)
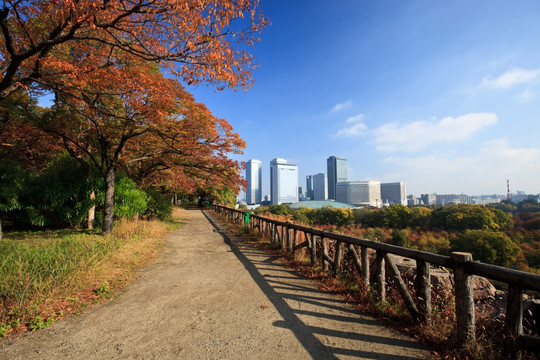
(487, 246)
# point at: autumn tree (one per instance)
(187, 152)
(96, 58)
(397, 216)
(43, 41)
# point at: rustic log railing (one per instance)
(285, 234)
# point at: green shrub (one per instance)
(129, 201)
(399, 238)
(328, 215)
(158, 205)
(57, 196)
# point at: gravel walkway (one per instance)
(210, 296)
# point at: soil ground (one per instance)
(213, 296)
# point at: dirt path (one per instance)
(210, 296)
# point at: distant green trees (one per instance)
(458, 218)
(483, 231)
(487, 246)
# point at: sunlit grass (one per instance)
(49, 273)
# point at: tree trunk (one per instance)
(92, 211)
(108, 211)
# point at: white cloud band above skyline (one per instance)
(420, 134)
(489, 167)
(512, 77)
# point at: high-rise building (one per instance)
(254, 180)
(411, 200)
(428, 199)
(367, 193)
(309, 186)
(283, 182)
(320, 187)
(337, 172)
(393, 193)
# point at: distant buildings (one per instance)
(283, 182)
(254, 180)
(393, 193)
(337, 172)
(454, 199)
(428, 199)
(412, 200)
(366, 193)
(320, 187)
(309, 187)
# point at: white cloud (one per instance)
(420, 134)
(511, 78)
(355, 130)
(481, 172)
(507, 157)
(526, 96)
(341, 106)
(355, 119)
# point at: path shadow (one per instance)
(275, 287)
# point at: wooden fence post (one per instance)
(395, 276)
(338, 258)
(423, 290)
(283, 241)
(514, 322)
(381, 276)
(313, 250)
(324, 245)
(289, 238)
(364, 254)
(464, 300)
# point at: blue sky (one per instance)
(442, 95)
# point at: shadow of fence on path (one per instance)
(282, 292)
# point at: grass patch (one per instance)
(46, 274)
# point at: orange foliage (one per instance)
(43, 41)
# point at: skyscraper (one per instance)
(283, 182)
(309, 186)
(393, 193)
(320, 187)
(254, 180)
(337, 172)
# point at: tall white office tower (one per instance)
(337, 172)
(254, 180)
(283, 182)
(320, 187)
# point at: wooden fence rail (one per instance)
(285, 234)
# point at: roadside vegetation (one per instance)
(48, 274)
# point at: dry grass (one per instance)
(47, 275)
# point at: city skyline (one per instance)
(392, 187)
(437, 95)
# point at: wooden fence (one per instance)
(286, 235)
